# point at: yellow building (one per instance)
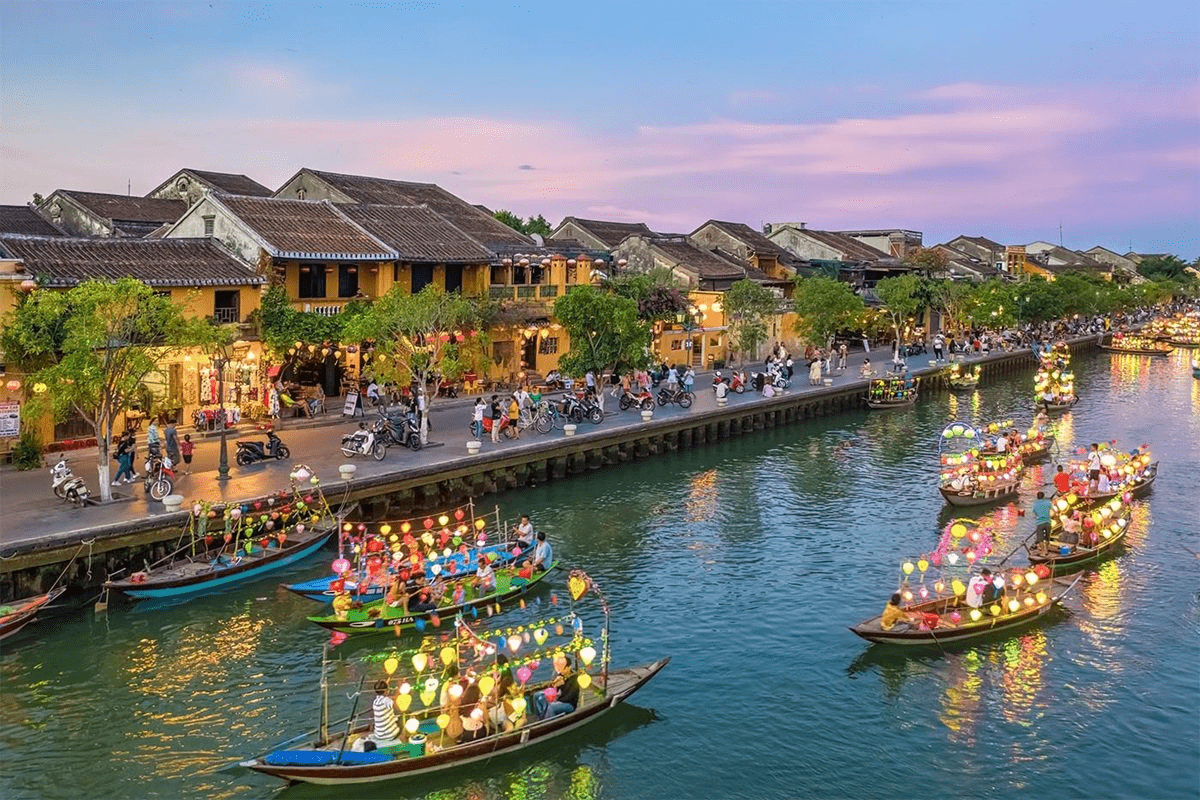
(200, 275)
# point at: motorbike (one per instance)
(678, 395)
(643, 400)
(366, 441)
(402, 430)
(736, 381)
(159, 480)
(69, 486)
(250, 452)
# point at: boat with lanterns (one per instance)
(962, 377)
(1083, 537)
(935, 605)
(1133, 344)
(370, 556)
(464, 699)
(225, 544)
(450, 592)
(892, 392)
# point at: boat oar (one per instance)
(350, 720)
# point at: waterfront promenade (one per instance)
(32, 518)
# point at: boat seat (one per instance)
(321, 758)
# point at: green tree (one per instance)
(606, 334)
(902, 297)
(92, 348)
(748, 307)
(424, 337)
(824, 306)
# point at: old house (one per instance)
(109, 215)
(189, 185)
(201, 275)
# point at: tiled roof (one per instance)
(611, 233)
(65, 261)
(753, 239)
(24, 220)
(305, 229)
(416, 233)
(229, 183)
(382, 191)
(125, 208)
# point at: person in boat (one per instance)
(894, 615)
(1093, 462)
(1041, 515)
(485, 577)
(386, 729)
(562, 696)
(1062, 481)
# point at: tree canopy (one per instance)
(606, 333)
(825, 306)
(93, 348)
(748, 307)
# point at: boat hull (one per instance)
(26, 611)
(407, 620)
(620, 685)
(174, 582)
(998, 494)
(987, 626)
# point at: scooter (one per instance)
(365, 441)
(251, 452)
(69, 486)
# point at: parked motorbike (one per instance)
(67, 485)
(251, 452)
(366, 441)
(400, 429)
(643, 400)
(159, 480)
(678, 395)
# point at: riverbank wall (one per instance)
(90, 555)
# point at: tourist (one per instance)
(495, 416)
(186, 448)
(387, 728)
(477, 417)
(1093, 462)
(894, 615)
(171, 435)
(1062, 481)
(1041, 516)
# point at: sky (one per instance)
(1054, 120)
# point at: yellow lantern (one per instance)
(411, 725)
(390, 665)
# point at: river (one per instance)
(745, 562)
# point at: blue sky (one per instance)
(986, 118)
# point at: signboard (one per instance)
(351, 404)
(10, 420)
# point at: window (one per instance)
(209, 224)
(312, 280)
(347, 280)
(454, 277)
(548, 346)
(422, 276)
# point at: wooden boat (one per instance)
(1136, 350)
(16, 615)
(424, 743)
(980, 495)
(379, 617)
(1061, 555)
(1030, 606)
(324, 589)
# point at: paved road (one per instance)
(29, 511)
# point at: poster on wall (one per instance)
(10, 420)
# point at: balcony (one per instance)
(525, 293)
